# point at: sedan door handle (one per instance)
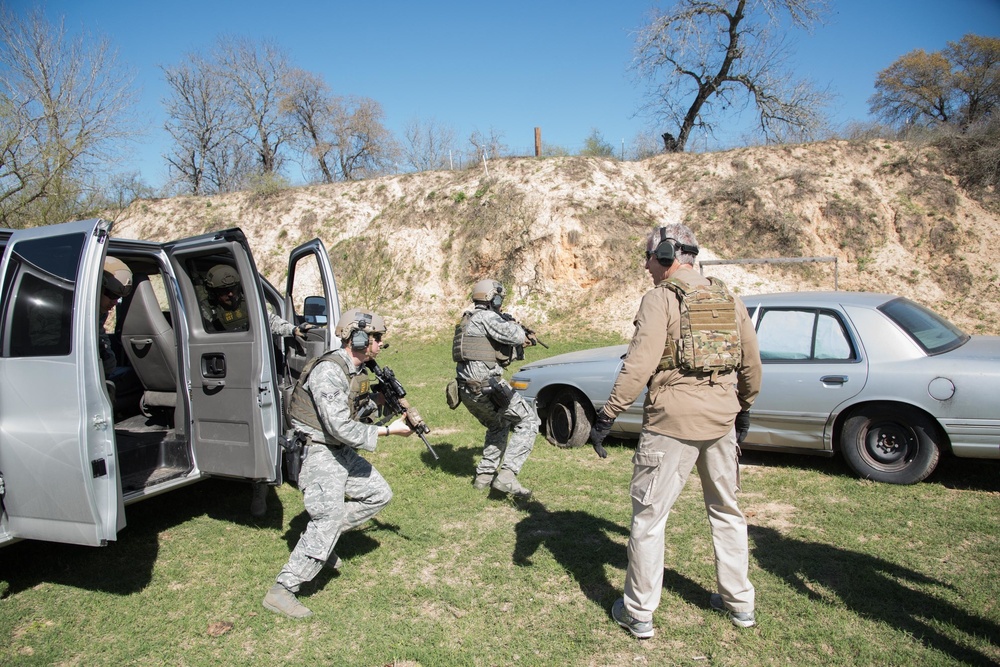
(833, 379)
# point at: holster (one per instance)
(295, 450)
(499, 393)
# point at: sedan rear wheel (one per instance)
(890, 444)
(567, 423)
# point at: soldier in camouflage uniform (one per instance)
(332, 405)
(223, 309)
(485, 343)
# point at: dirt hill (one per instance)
(566, 234)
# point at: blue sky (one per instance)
(507, 66)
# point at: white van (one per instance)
(200, 403)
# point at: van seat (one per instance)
(149, 342)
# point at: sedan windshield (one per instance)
(930, 331)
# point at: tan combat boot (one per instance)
(280, 600)
(482, 481)
(506, 482)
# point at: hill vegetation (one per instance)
(565, 234)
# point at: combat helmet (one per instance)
(117, 278)
(488, 292)
(222, 275)
(356, 324)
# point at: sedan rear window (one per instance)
(928, 329)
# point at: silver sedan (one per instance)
(884, 381)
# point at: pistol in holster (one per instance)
(295, 450)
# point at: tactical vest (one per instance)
(301, 405)
(710, 334)
(478, 348)
(232, 320)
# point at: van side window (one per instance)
(38, 308)
(221, 299)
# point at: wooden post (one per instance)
(538, 142)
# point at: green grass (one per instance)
(847, 572)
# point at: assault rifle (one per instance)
(528, 333)
(396, 404)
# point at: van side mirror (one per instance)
(314, 310)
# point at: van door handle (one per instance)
(213, 366)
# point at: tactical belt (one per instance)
(475, 386)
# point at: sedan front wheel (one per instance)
(890, 444)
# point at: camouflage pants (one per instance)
(518, 418)
(341, 491)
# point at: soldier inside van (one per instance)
(122, 382)
(224, 309)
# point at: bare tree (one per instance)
(427, 145)
(208, 155)
(309, 104)
(959, 85)
(65, 106)
(344, 137)
(364, 146)
(257, 75)
(703, 57)
(491, 144)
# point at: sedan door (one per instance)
(57, 452)
(812, 363)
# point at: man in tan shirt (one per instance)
(689, 418)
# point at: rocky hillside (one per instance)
(566, 234)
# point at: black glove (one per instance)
(300, 331)
(742, 426)
(599, 432)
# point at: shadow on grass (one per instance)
(126, 565)
(875, 589)
(579, 542)
(952, 472)
(456, 461)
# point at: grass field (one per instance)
(847, 572)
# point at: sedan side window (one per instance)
(802, 335)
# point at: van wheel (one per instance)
(893, 445)
(567, 423)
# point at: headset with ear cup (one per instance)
(359, 338)
(666, 250)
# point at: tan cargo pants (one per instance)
(661, 468)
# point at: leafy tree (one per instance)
(65, 106)
(959, 85)
(702, 57)
(976, 75)
(596, 146)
